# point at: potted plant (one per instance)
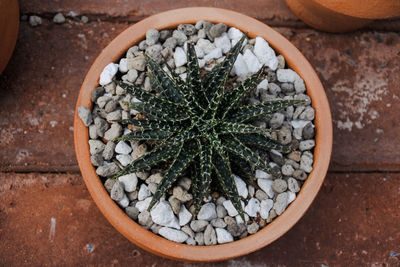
(9, 23)
(112, 53)
(342, 15)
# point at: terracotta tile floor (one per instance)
(353, 222)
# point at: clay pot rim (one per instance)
(322, 152)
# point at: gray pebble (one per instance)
(107, 170)
(307, 145)
(109, 183)
(132, 212)
(187, 29)
(261, 195)
(299, 86)
(84, 19)
(132, 195)
(287, 88)
(96, 93)
(164, 34)
(137, 63)
(114, 132)
(187, 230)
(35, 21)
(292, 163)
(251, 190)
(236, 229)
(281, 62)
(190, 241)
(93, 132)
(287, 170)
(132, 75)
(96, 160)
(295, 156)
(300, 175)
(102, 101)
(152, 36)
(108, 151)
(152, 188)
(276, 157)
(279, 185)
(199, 237)
(308, 114)
(154, 52)
(271, 216)
(308, 131)
(96, 146)
(198, 225)
(217, 29)
(273, 88)
(170, 43)
(140, 79)
(281, 203)
(110, 88)
(252, 228)
(175, 204)
(155, 228)
(144, 219)
(85, 115)
(276, 120)
(293, 185)
(181, 194)
(218, 222)
(221, 211)
(306, 163)
(117, 191)
(284, 136)
(180, 37)
(229, 220)
(142, 45)
(210, 237)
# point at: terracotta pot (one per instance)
(9, 24)
(342, 15)
(154, 243)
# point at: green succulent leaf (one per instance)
(261, 141)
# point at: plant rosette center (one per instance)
(196, 102)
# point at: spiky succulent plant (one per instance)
(200, 125)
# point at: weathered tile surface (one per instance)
(353, 222)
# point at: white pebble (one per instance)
(125, 160)
(291, 197)
(143, 205)
(265, 206)
(205, 45)
(124, 202)
(173, 235)
(123, 65)
(234, 33)
(214, 54)
(252, 207)
(223, 236)
(179, 57)
(265, 54)
(223, 42)
(263, 85)
(123, 148)
(262, 175)
(144, 192)
(239, 219)
(299, 123)
(253, 65)
(286, 75)
(162, 214)
(207, 212)
(266, 186)
(241, 186)
(240, 67)
(184, 216)
(108, 73)
(129, 182)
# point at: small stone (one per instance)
(132, 75)
(154, 178)
(252, 228)
(154, 52)
(287, 170)
(287, 88)
(223, 42)
(132, 195)
(181, 194)
(230, 208)
(144, 192)
(265, 54)
(276, 120)
(180, 57)
(180, 37)
(96, 146)
(276, 157)
(139, 151)
(137, 63)
(241, 186)
(234, 33)
(262, 175)
(300, 175)
(251, 190)
(114, 116)
(143, 205)
(279, 185)
(299, 86)
(96, 93)
(286, 75)
(111, 106)
(261, 195)
(308, 114)
(306, 163)
(229, 220)
(187, 230)
(214, 54)
(207, 212)
(266, 186)
(273, 88)
(142, 175)
(284, 136)
(308, 131)
(170, 43)
(185, 183)
(124, 202)
(175, 204)
(173, 235)
(218, 223)
(107, 170)
(108, 73)
(198, 225)
(205, 45)
(217, 29)
(240, 67)
(152, 188)
(114, 132)
(59, 18)
(272, 215)
(117, 191)
(253, 65)
(184, 216)
(85, 115)
(101, 126)
(123, 148)
(108, 151)
(108, 184)
(84, 19)
(236, 229)
(199, 237)
(281, 62)
(210, 237)
(152, 36)
(291, 197)
(295, 156)
(307, 145)
(96, 160)
(265, 206)
(187, 29)
(35, 21)
(281, 203)
(155, 228)
(252, 207)
(123, 65)
(221, 211)
(132, 212)
(293, 185)
(162, 214)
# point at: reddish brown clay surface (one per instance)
(9, 22)
(352, 222)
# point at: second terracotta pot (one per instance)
(154, 243)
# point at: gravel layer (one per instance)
(173, 217)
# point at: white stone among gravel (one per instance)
(214, 54)
(299, 123)
(230, 208)
(223, 236)
(265, 54)
(291, 197)
(252, 207)
(241, 186)
(253, 65)
(125, 160)
(179, 57)
(123, 65)
(207, 212)
(263, 85)
(265, 206)
(223, 42)
(239, 219)
(108, 73)
(281, 203)
(59, 18)
(266, 186)
(306, 163)
(173, 235)
(96, 146)
(286, 75)
(184, 216)
(85, 115)
(262, 175)
(307, 145)
(205, 45)
(144, 192)
(234, 33)
(129, 181)
(162, 214)
(240, 67)
(124, 202)
(143, 205)
(123, 148)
